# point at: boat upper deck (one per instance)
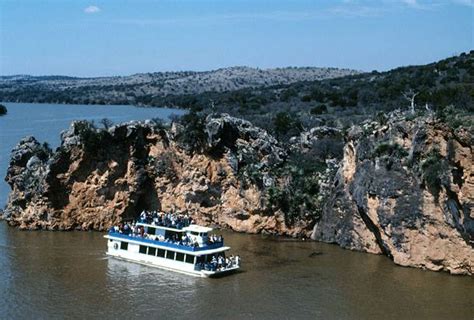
(171, 231)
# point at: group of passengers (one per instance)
(214, 238)
(169, 220)
(219, 263)
(134, 230)
(130, 229)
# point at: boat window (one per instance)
(142, 249)
(189, 258)
(194, 233)
(124, 245)
(151, 231)
(151, 251)
(200, 259)
(170, 255)
(179, 256)
(161, 253)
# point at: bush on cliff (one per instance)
(298, 193)
(319, 109)
(286, 125)
(390, 149)
(193, 137)
(455, 117)
(3, 110)
(434, 169)
(164, 165)
(95, 141)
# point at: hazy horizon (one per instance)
(120, 38)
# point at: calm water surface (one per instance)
(57, 275)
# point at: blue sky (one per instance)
(117, 37)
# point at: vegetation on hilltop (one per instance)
(347, 100)
(148, 89)
(271, 99)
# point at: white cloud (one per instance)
(92, 9)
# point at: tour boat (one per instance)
(186, 249)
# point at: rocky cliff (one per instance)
(99, 177)
(405, 188)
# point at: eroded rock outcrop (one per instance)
(405, 189)
(404, 186)
(99, 177)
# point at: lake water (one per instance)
(57, 275)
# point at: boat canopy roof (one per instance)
(196, 228)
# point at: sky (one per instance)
(118, 37)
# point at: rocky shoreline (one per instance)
(404, 187)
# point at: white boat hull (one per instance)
(132, 254)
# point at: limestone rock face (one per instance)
(381, 203)
(97, 178)
(404, 188)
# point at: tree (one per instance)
(3, 110)
(107, 123)
(193, 137)
(319, 109)
(410, 95)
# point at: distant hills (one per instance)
(297, 97)
(343, 101)
(148, 88)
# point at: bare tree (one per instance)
(410, 95)
(107, 123)
(212, 106)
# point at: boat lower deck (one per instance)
(196, 273)
(182, 261)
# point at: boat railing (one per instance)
(168, 244)
(166, 224)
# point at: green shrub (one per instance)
(193, 137)
(381, 118)
(3, 110)
(95, 142)
(452, 117)
(390, 149)
(287, 94)
(319, 109)
(164, 165)
(286, 124)
(250, 174)
(298, 193)
(434, 169)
